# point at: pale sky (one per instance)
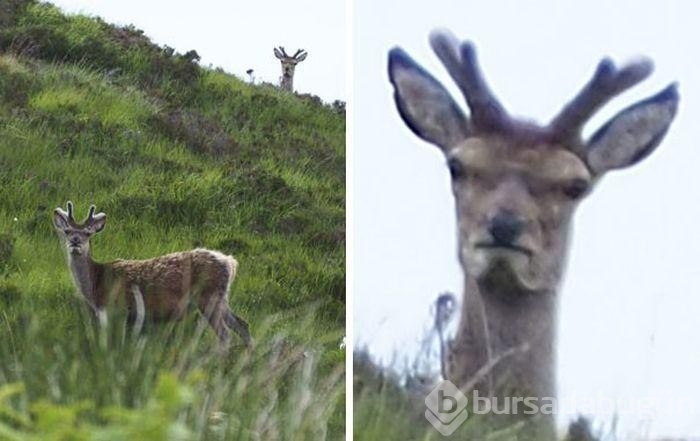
(240, 35)
(630, 302)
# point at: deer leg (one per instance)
(101, 315)
(140, 310)
(214, 310)
(239, 325)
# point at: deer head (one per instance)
(76, 236)
(516, 184)
(289, 62)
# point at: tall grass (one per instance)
(172, 382)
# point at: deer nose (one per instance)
(505, 227)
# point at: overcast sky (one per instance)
(630, 303)
(240, 35)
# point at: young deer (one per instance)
(161, 288)
(516, 185)
(288, 66)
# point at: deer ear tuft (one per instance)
(98, 222)
(60, 219)
(634, 133)
(424, 104)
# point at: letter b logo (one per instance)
(446, 408)
(446, 403)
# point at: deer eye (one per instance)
(457, 170)
(576, 188)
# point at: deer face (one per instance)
(76, 237)
(515, 184)
(289, 62)
(514, 204)
(288, 68)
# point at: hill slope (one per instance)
(177, 156)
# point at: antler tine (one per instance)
(607, 83)
(487, 113)
(283, 51)
(69, 204)
(91, 213)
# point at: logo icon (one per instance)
(447, 408)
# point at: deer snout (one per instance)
(75, 244)
(506, 227)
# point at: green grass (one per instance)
(169, 383)
(178, 157)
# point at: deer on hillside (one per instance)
(289, 63)
(516, 185)
(161, 288)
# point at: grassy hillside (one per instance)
(177, 156)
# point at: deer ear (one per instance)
(278, 54)
(425, 105)
(302, 57)
(98, 222)
(633, 133)
(60, 219)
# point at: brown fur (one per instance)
(167, 282)
(167, 285)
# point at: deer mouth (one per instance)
(75, 249)
(511, 248)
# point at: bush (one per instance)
(16, 84)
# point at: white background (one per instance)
(630, 303)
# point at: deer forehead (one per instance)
(72, 230)
(501, 156)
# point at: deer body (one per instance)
(161, 288)
(289, 64)
(516, 186)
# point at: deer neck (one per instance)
(85, 272)
(287, 80)
(506, 338)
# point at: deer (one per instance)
(516, 185)
(161, 289)
(289, 63)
